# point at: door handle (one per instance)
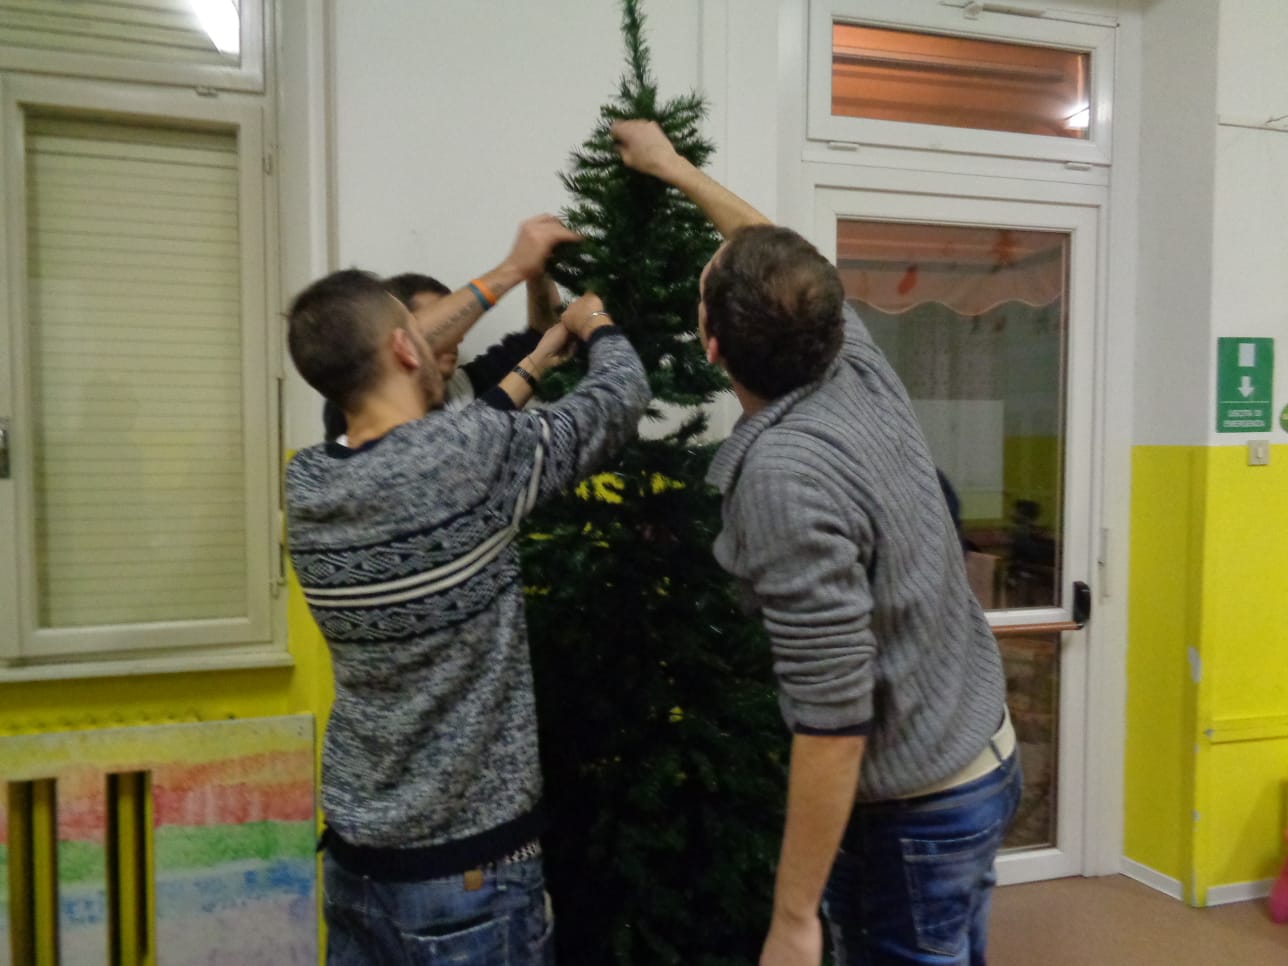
(4, 449)
(1081, 603)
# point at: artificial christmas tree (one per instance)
(663, 750)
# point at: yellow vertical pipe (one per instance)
(22, 915)
(129, 869)
(146, 825)
(44, 871)
(112, 866)
(128, 916)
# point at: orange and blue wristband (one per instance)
(482, 293)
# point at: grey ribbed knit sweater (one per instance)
(835, 520)
(405, 551)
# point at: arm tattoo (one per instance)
(461, 318)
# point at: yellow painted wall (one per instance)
(1207, 759)
(1241, 822)
(1246, 583)
(1166, 495)
(1242, 766)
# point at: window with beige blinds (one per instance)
(215, 43)
(134, 305)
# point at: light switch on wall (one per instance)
(1258, 452)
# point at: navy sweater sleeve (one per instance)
(486, 370)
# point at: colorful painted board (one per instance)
(233, 812)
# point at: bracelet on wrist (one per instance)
(481, 292)
(526, 376)
(599, 313)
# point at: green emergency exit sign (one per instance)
(1245, 370)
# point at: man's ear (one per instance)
(713, 350)
(405, 351)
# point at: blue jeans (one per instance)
(438, 921)
(913, 879)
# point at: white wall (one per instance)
(453, 118)
(1214, 203)
(1177, 162)
(1253, 81)
(1250, 243)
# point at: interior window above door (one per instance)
(903, 75)
(926, 76)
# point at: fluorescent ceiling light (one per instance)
(1080, 119)
(221, 22)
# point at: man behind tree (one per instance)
(476, 378)
(403, 541)
(903, 773)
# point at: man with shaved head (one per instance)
(403, 538)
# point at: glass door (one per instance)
(986, 309)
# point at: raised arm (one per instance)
(543, 304)
(566, 441)
(596, 419)
(645, 148)
(490, 367)
(520, 382)
(447, 320)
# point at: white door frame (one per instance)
(1079, 210)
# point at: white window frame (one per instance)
(247, 76)
(1080, 34)
(243, 641)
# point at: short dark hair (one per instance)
(774, 305)
(408, 285)
(334, 329)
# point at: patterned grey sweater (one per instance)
(405, 551)
(835, 520)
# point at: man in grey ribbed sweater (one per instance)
(403, 541)
(903, 773)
